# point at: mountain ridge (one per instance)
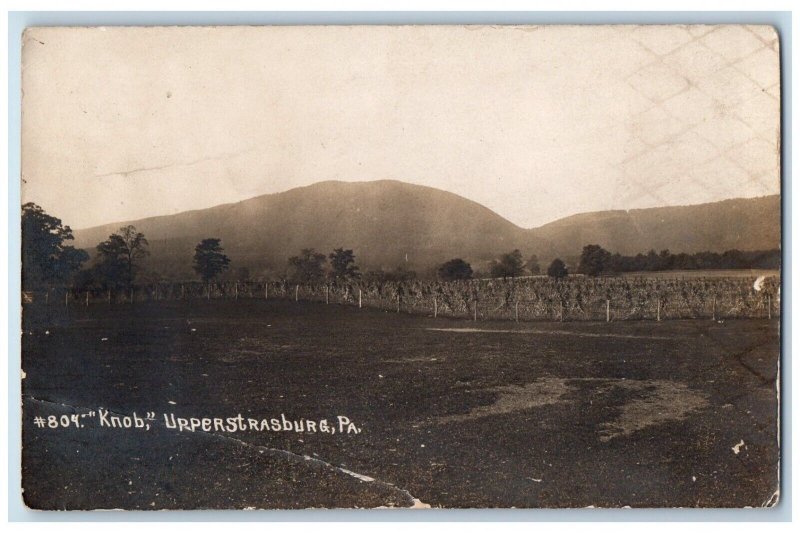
(389, 223)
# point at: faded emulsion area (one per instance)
(401, 267)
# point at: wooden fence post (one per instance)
(47, 297)
(608, 310)
(560, 311)
(266, 290)
(516, 311)
(769, 306)
(714, 308)
(109, 296)
(475, 311)
(183, 292)
(296, 292)
(326, 295)
(359, 298)
(66, 299)
(398, 302)
(208, 292)
(87, 298)
(236, 291)
(658, 310)
(435, 307)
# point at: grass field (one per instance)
(445, 412)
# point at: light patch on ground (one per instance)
(512, 398)
(414, 360)
(658, 402)
(663, 401)
(738, 447)
(549, 332)
(356, 475)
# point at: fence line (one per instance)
(600, 299)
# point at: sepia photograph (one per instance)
(409, 266)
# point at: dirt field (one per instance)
(444, 412)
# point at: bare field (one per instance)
(445, 413)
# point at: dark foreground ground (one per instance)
(486, 414)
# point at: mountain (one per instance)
(386, 223)
(742, 223)
(391, 223)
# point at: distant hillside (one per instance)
(386, 223)
(390, 223)
(744, 224)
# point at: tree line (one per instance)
(595, 260)
(49, 259)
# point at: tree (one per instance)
(594, 260)
(45, 257)
(120, 254)
(557, 269)
(383, 276)
(308, 266)
(343, 265)
(665, 260)
(454, 269)
(402, 273)
(508, 266)
(533, 265)
(209, 261)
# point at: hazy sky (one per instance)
(535, 123)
